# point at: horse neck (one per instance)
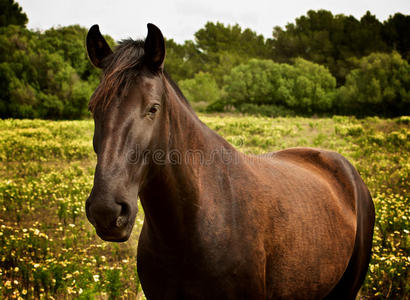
(172, 192)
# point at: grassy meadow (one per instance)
(49, 250)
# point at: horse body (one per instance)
(292, 224)
(277, 227)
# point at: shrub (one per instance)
(312, 87)
(379, 86)
(304, 87)
(253, 82)
(200, 90)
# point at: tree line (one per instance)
(319, 64)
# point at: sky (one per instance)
(180, 19)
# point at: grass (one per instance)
(49, 250)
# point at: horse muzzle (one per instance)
(113, 220)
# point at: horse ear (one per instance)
(154, 47)
(97, 46)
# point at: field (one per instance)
(49, 250)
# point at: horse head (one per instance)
(127, 107)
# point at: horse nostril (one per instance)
(122, 220)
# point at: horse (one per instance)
(219, 224)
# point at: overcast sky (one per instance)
(180, 19)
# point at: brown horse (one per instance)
(219, 224)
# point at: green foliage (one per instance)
(68, 42)
(223, 63)
(307, 87)
(11, 14)
(217, 48)
(396, 33)
(48, 75)
(254, 82)
(328, 40)
(182, 61)
(41, 73)
(224, 47)
(304, 87)
(216, 37)
(200, 90)
(114, 286)
(379, 86)
(334, 43)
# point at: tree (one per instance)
(11, 14)
(396, 33)
(216, 50)
(217, 37)
(36, 82)
(224, 46)
(183, 61)
(332, 41)
(379, 86)
(68, 42)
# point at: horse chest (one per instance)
(185, 277)
(214, 266)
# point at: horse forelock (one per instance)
(119, 72)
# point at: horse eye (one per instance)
(154, 109)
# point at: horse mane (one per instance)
(177, 90)
(120, 71)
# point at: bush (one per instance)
(253, 82)
(312, 87)
(200, 90)
(304, 87)
(379, 86)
